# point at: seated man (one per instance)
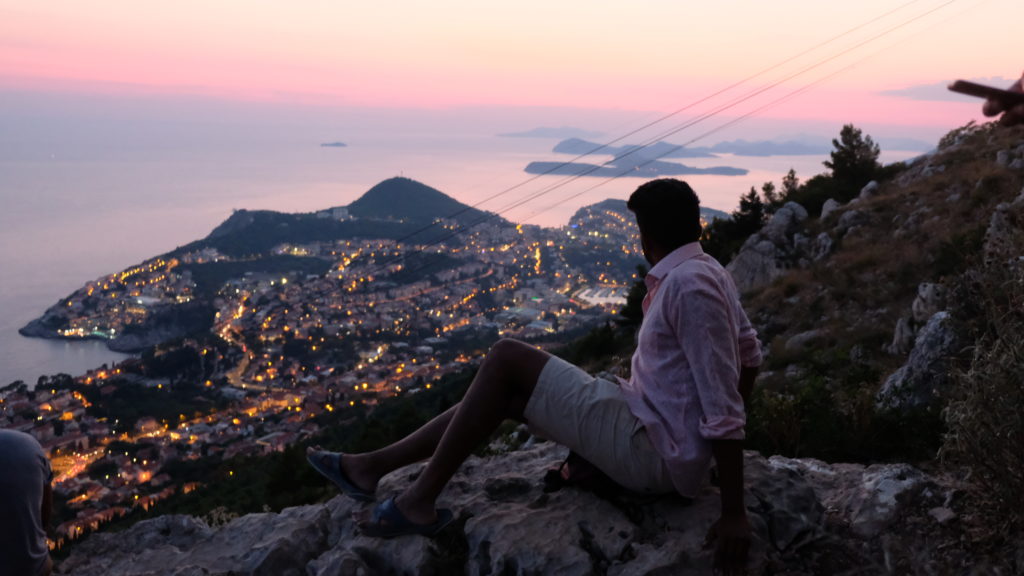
(695, 361)
(25, 501)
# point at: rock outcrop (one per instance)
(808, 517)
(767, 254)
(926, 371)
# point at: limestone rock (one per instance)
(931, 298)
(866, 499)
(880, 497)
(914, 383)
(822, 246)
(829, 207)
(1003, 229)
(868, 191)
(506, 524)
(1003, 157)
(255, 544)
(850, 219)
(902, 337)
(803, 340)
(784, 223)
(756, 265)
(766, 255)
(941, 514)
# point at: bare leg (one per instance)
(500, 390)
(366, 469)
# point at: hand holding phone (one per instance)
(1008, 98)
(1009, 103)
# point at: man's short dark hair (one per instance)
(667, 211)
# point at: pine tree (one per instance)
(771, 197)
(751, 213)
(790, 184)
(855, 158)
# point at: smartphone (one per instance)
(1006, 97)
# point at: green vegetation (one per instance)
(829, 413)
(210, 276)
(854, 158)
(853, 163)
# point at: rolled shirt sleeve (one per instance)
(707, 334)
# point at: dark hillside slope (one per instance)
(407, 200)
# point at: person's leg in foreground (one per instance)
(501, 389)
(26, 499)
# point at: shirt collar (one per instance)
(673, 259)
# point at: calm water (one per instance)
(89, 194)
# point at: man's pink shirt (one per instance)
(693, 340)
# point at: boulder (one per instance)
(757, 264)
(931, 298)
(884, 491)
(850, 219)
(803, 340)
(1003, 230)
(1003, 157)
(784, 223)
(822, 246)
(926, 370)
(864, 499)
(868, 191)
(829, 207)
(902, 337)
(766, 255)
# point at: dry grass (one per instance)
(985, 416)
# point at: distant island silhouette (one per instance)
(551, 132)
(640, 169)
(333, 145)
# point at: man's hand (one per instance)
(1012, 115)
(731, 535)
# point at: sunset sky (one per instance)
(654, 55)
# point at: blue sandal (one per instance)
(388, 521)
(329, 464)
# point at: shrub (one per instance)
(985, 418)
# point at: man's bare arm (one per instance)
(733, 528)
(748, 374)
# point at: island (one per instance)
(639, 169)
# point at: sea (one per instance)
(88, 188)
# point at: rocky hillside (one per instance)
(861, 310)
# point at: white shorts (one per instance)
(590, 416)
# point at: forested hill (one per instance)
(395, 208)
(407, 200)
